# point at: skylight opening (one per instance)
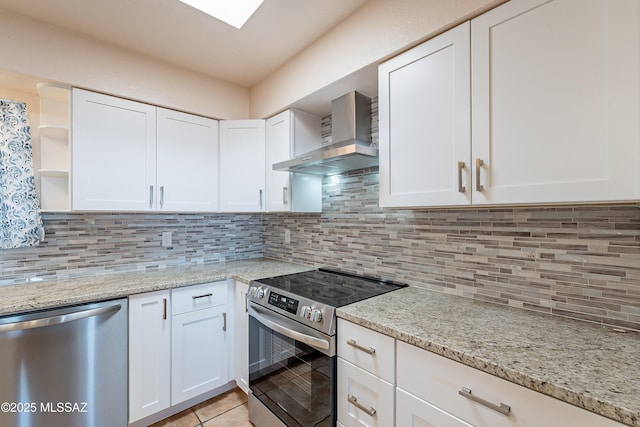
(234, 12)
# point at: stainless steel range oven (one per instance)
(292, 344)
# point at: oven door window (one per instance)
(295, 381)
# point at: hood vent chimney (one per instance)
(350, 148)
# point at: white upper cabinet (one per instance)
(554, 109)
(113, 152)
(131, 156)
(556, 101)
(290, 134)
(242, 165)
(187, 163)
(425, 123)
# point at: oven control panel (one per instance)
(283, 303)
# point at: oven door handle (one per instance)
(261, 316)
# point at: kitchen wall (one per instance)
(581, 262)
(80, 244)
(53, 54)
(377, 31)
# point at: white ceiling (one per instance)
(174, 32)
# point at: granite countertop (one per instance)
(591, 366)
(36, 295)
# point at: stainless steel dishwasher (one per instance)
(65, 367)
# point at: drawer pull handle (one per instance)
(202, 296)
(503, 408)
(369, 350)
(354, 401)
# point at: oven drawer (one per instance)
(369, 350)
(363, 399)
(198, 297)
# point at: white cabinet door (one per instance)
(242, 165)
(241, 336)
(199, 353)
(114, 153)
(149, 354)
(187, 162)
(424, 105)
(290, 134)
(556, 101)
(278, 149)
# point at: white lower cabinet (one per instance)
(443, 392)
(366, 376)
(385, 382)
(199, 353)
(149, 354)
(177, 346)
(241, 336)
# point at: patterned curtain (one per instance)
(20, 221)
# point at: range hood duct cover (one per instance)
(351, 147)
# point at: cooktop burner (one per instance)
(311, 297)
(331, 288)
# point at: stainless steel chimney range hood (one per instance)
(351, 147)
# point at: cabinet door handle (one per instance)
(202, 296)
(461, 188)
(246, 302)
(224, 322)
(151, 196)
(260, 198)
(479, 163)
(284, 195)
(369, 350)
(164, 308)
(354, 401)
(503, 408)
(161, 196)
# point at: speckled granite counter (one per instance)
(588, 365)
(55, 293)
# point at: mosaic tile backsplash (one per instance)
(580, 262)
(81, 244)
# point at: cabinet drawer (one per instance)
(412, 411)
(198, 297)
(369, 350)
(437, 380)
(363, 398)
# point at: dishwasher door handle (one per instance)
(60, 319)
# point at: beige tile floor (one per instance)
(227, 410)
